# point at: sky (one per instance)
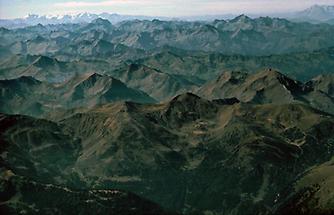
(168, 8)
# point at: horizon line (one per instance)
(55, 15)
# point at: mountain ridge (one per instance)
(219, 140)
(263, 87)
(82, 90)
(315, 14)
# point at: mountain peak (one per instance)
(136, 66)
(323, 83)
(95, 76)
(321, 7)
(241, 18)
(188, 101)
(80, 79)
(105, 88)
(292, 85)
(232, 76)
(43, 61)
(4, 30)
(101, 21)
(267, 86)
(272, 72)
(186, 108)
(237, 77)
(186, 97)
(318, 12)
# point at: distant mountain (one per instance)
(42, 68)
(33, 19)
(315, 14)
(241, 35)
(159, 85)
(206, 66)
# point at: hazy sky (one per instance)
(21, 8)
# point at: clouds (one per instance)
(19, 8)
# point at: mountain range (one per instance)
(246, 155)
(241, 35)
(316, 14)
(313, 14)
(263, 88)
(28, 95)
(34, 19)
(167, 117)
(60, 52)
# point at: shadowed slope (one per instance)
(29, 96)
